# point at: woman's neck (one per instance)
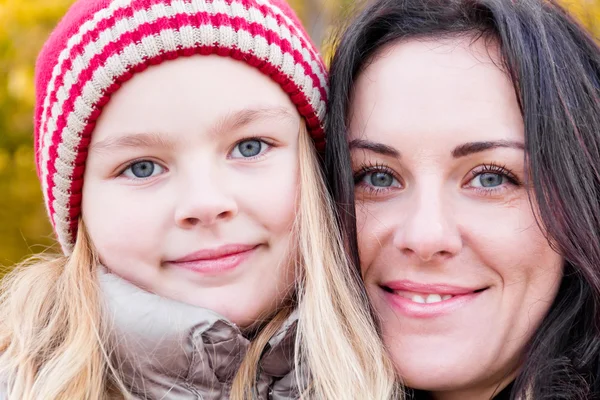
(498, 391)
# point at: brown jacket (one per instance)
(170, 350)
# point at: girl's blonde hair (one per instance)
(52, 337)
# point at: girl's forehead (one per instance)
(196, 78)
(196, 94)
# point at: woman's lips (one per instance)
(417, 300)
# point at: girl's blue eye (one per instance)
(488, 180)
(249, 148)
(143, 169)
(379, 179)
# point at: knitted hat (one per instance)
(100, 44)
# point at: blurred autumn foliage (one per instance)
(24, 25)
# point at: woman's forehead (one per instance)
(425, 88)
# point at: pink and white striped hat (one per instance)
(100, 44)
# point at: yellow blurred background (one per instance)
(24, 25)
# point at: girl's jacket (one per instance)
(170, 350)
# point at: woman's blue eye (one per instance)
(379, 179)
(488, 180)
(249, 148)
(143, 169)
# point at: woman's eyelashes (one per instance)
(376, 178)
(490, 179)
(486, 179)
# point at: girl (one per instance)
(474, 135)
(200, 256)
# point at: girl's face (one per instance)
(191, 183)
(452, 257)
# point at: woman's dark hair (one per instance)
(555, 68)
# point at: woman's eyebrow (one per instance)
(375, 147)
(476, 147)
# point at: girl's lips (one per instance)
(216, 253)
(215, 261)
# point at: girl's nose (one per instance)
(205, 201)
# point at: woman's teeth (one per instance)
(426, 298)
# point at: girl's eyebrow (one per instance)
(240, 118)
(134, 140)
(233, 121)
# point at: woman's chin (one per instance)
(433, 369)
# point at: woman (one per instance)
(473, 132)
(175, 146)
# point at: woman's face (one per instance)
(453, 259)
(191, 183)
